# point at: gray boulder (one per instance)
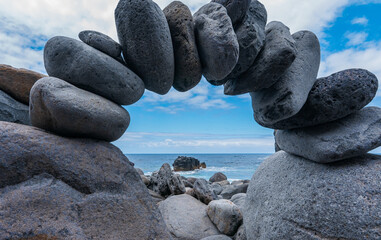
(216, 188)
(231, 190)
(188, 69)
(146, 40)
(12, 110)
(225, 215)
(217, 42)
(236, 9)
(203, 191)
(186, 218)
(139, 171)
(292, 198)
(183, 163)
(348, 137)
(159, 180)
(223, 183)
(239, 200)
(176, 185)
(217, 237)
(91, 70)
(287, 96)
(218, 177)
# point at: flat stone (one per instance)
(12, 110)
(276, 56)
(287, 96)
(231, 190)
(236, 9)
(217, 42)
(348, 137)
(143, 30)
(334, 97)
(203, 191)
(225, 215)
(101, 42)
(17, 82)
(91, 70)
(290, 197)
(188, 69)
(218, 177)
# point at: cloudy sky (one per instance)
(202, 120)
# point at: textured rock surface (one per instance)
(62, 108)
(91, 70)
(216, 188)
(217, 42)
(176, 185)
(287, 96)
(276, 56)
(217, 237)
(225, 215)
(231, 190)
(241, 233)
(159, 180)
(188, 69)
(12, 110)
(102, 42)
(142, 30)
(186, 218)
(203, 191)
(291, 197)
(218, 177)
(334, 97)
(17, 82)
(348, 137)
(182, 163)
(236, 9)
(239, 200)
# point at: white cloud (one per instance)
(360, 21)
(356, 38)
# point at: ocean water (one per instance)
(234, 166)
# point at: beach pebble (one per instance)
(217, 237)
(146, 40)
(348, 137)
(176, 185)
(276, 56)
(230, 190)
(217, 42)
(188, 69)
(287, 96)
(225, 215)
(223, 183)
(62, 108)
(12, 110)
(91, 70)
(236, 9)
(101, 42)
(218, 177)
(159, 180)
(203, 191)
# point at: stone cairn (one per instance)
(61, 178)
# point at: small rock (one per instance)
(225, 215)
(236, 9)
(101, 42)
(185, 164)
(159, 180)
(145, 180)
(230, 190)
(239, 200)
(216, 188)
(187, 183)
(218, 177)
(237, 182)
(223, 183)
(203, 191)
(203, 165)
(190, 192)
(155, 196)
(12, 110)
(192, 180)
(139, 171)
(176, 185)
(241, 233)
(217, 237)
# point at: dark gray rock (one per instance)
(192, 179)
(218, 177)
(183, 163)
(241, 233)
(188, 69)
(146, 40)
(239, 200)
(187, 183)
(348, 137)
(334, 97)
(217, 237)
(287, 96)
(217, 42)
(101, 42)
(91, 70)
(12, 110)
(292, 198)
(231, 190)
(276, 56)
(216, 188)
(62, 108)
(203, 191)
(225, 215)
(155, 196)
(176, 185)
(236, 9)
(139, 171)
(159, 180)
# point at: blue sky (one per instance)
(202, 120)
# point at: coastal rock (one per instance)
(217, 42)
(218, 177)
(101, 42)
(223, 183)
(216, 188)
(187, 183)
(186, 218)
(159, 180)
(291, 197)
(276, 56)
(287, 96)
(225, 215)
(334, 97)
(192, 180)
(236, 9)
(155, 196)
(62, 108)
(87, 68)
(348, 137)
(231, 190)
(143, 30)
(217, 237)
(145, 180)
(237, 182)
(12, 110)
(188, 69)
(239, 200)
(203, 191)
(185, 164)
(139, 171)
(241, 233)
(176, 185)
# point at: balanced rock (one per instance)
(218, 177)
(203, 191)
(348, 137)
(217, 237)
(186, 218)
(17, 82)
(217, 42)
(12, 110)
(236, 9)
(231, 190)
(292, 198)
(183, 163)
(188, 69)
(276, 56)
(146, 40)
(287, 96)
(334, 97)
(62, 108)
(225, 215)
(101, 42)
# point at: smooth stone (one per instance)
(345, 138)
(186, 218)
(218, 177)
(237, 182)
(225, 215)
(155, 196)
(183, 163)
(147, 45)
(334, 97)
(241, 233)
(236, 9)
(91, 70)
(287, 96)
(217, 237)
(277, 55)
(290, 197)
(176, 185)
(217, 42)
(203, 191)
(12, 110)
(216, 188)
(101, 42)
(231, 190)
(239, 200)
(188, 69)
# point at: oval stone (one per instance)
(102, 42)
(236, 9)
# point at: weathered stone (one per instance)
(186, 218)
(334, 97)
(292, 198)
(218, 177)
(176, 185)
(287, 96)
(192, 180)
(101, 42)
(139, 171)
(236, 9)
(188, 69)
(241, 233)
(237, 182)
(187, 183)
(62, 108)
(217, 237)
(217, 42)
(276, 56)
(239, 200)
(155, 196)
(348, 137)
(225, 215)
(224, 183)
(203, 191)
(146, 40)
(145, 180)
(231, 190)
(185, 164)
(216, 188)
(159, 180)
(203, 165)
(17, 82)
(12, 110)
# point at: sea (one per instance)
(234, 166)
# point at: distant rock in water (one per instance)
(187, 164)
